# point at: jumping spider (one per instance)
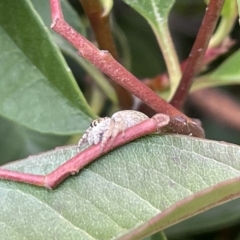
(102, 129)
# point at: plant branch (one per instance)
(101, 27)
(108, 65)
(160, 123)
(36, 180)
(194, 61)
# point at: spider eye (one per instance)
(95, 123)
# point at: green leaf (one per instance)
(156, 13)
(227, 73)
(37, 88)
(122, 189)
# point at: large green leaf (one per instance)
(121, 190)
(37, 89)
(226, 74)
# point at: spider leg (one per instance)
(120, 125)
(108, 133)
(84, 138)
(117, 125)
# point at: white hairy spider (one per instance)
(102, 129)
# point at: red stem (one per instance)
(194, 61)
(37, 180)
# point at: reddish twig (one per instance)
(108, 65)
(33, 179)
(160, 123)
(101, 27)
(194, 61)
